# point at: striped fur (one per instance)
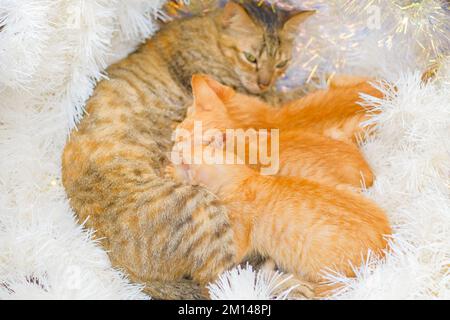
(272, 19)
(172, 237)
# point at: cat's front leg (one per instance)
(293, 286)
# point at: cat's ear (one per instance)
(205, 98)
(235, 18)
(292, 24)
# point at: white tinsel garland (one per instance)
(51, 55)
(245, 283)
(52, 52)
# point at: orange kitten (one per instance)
(301, 153)
(305, 227)
(334, 112)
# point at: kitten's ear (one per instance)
(205, 98)
(235, 18)
(223, 92)
(291, 25)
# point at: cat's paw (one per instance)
(325, 291)
(297, 289)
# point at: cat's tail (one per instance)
(176, 290)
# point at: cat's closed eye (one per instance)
(250, 57)
(282, 64)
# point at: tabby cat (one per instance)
(171, 237)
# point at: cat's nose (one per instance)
(264, 83)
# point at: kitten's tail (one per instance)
(175, 290)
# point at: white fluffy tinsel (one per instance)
(52, 52)
(244, 283)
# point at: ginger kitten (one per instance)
(335, 112)
(302, 152)
(305, 227)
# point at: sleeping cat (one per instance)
(334, 112)
(169, 236)
(304, 151)
(304, 226)
(307, 227)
